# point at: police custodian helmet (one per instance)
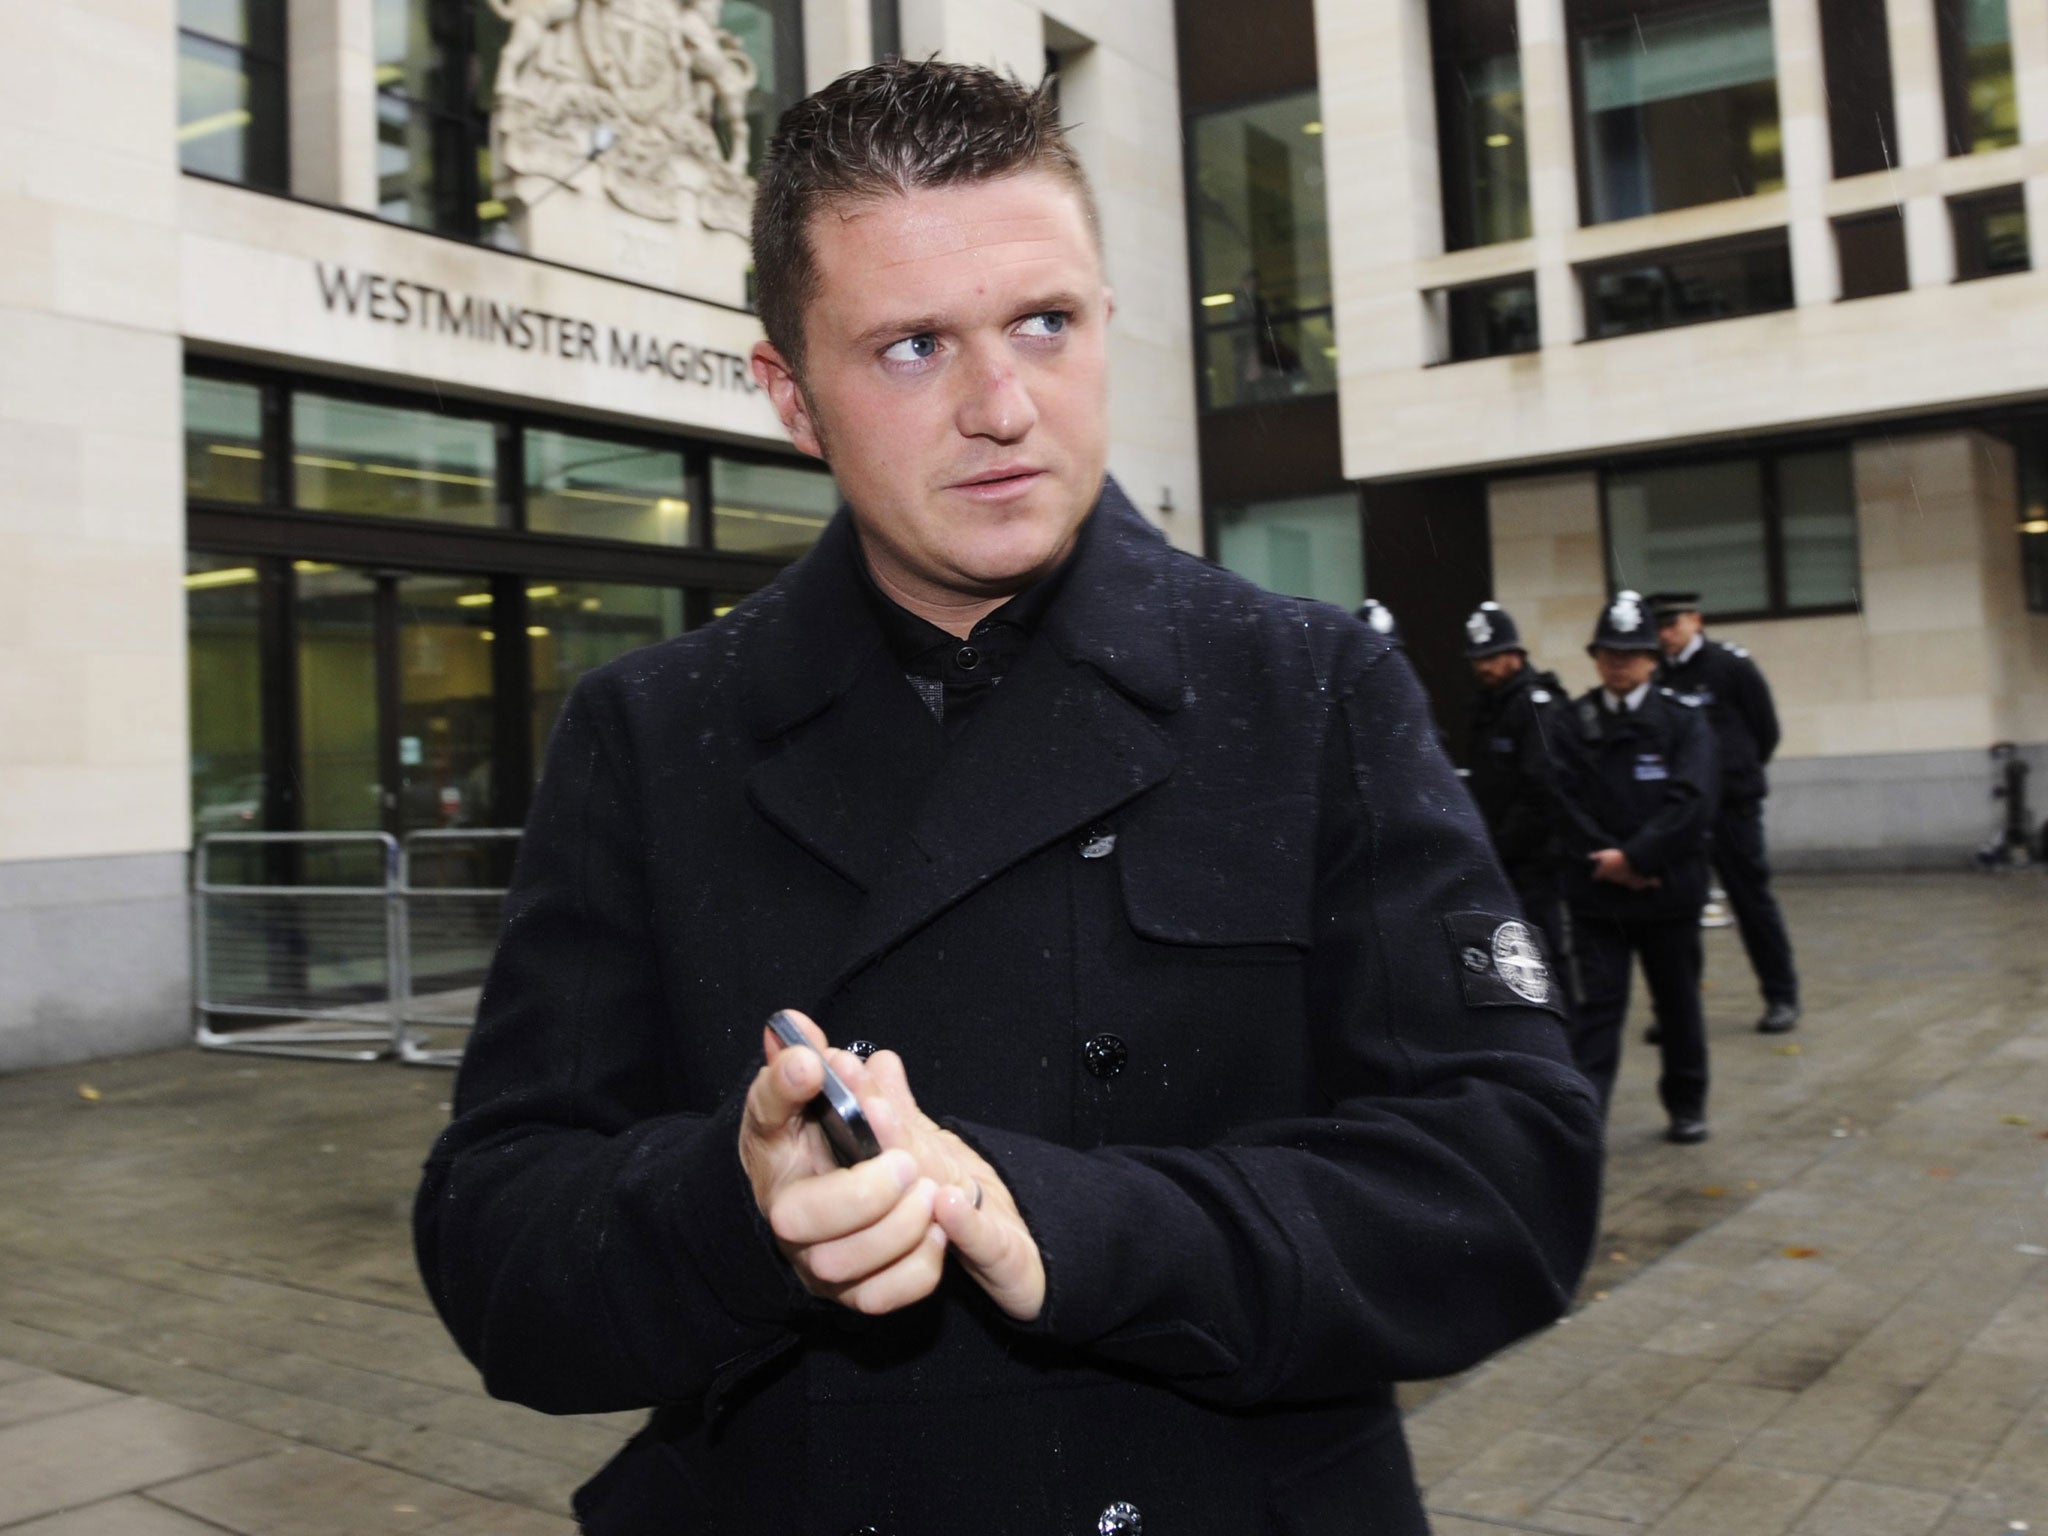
(1491, 630)
(1379, 617)
(1625, 625)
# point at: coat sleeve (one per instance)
(1435, 1201)
(1758, 709)
(1691, 790)
(589, 1249)
(1530, 827)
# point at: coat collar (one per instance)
(1114, 612)
(864, 779)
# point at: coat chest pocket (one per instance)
(1230, 889)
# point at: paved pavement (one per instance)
(1832, 1318)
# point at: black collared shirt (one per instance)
(952, 675)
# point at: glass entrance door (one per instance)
(445, 697)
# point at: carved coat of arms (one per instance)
(668, 82)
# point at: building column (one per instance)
(837, 37)
(332, 88)
(1923, 136)
(2028, 22)
(1003, 34)
(1807, 153)
(1548, 140)
(1379, 125)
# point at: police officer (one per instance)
(1517, 711)
(1730, 688)
(1637, 775)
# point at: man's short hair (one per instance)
(894, 127)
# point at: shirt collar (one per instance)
(1629, 705)
(1692, 649)
(911, 637)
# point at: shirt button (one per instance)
(862, 1048)
(1105, 1056)
(1097, 842)
(967, 657)
(1120, 1519)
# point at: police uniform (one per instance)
(1639, 774)
(1379, 618)
(1511, 777)
(1730, 688)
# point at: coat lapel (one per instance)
(1072, 733)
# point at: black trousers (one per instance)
(1605, 951)
(1737, 848)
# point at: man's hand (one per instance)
(861, 1236)
(973, 1207)
(1611, 865)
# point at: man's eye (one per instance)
(1051, 323)
(912, 349)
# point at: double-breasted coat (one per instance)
(1189, 929)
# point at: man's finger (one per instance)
(993, 1246)
(832, 1205)
(782, 1088)
(910, 1279)
(848, 1260)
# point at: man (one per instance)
(1637, 777)
(1515, 716)
(1215, 1083)
(1730, 687)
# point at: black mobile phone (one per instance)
(836, 1110)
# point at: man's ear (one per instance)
(786, 393)
(1108, 304)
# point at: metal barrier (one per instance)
(298, 930)
(451, 891)
(345, 946)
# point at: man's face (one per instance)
(1623, 672)
(1494, 670)
(954, 378)
(1675, 631)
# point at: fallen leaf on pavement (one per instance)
(1941, 1173)
(89, 1093)
(2016, 1119)
(1790, 1048)
(1800, 1253)
(1712, 1191)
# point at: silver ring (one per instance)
(977, 1191)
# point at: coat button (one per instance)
(862, 1048)
(967, 657)
(1097, 842)
(1105, 1056)
(1120, 1519)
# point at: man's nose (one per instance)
(994, 402)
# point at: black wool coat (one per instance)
(1189, 929)
(1726, 681)
(1513, 778)
(1643, 781)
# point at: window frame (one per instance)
(1766, 456)
(461, 116)
(281, 64)
(1777, 237)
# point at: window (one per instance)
(1262, 253)
(772, 33)
(1305, 546)
(1489, 319)
(1991, 234)
(223, 659)
(1872, 248)
(1676, 108)
(1719, 281)
(573, 626)
(597, 489)
(437, 64)
(1856, 61)
(224, 458)
(384, 461)
(1754, 536)
(1484, 160)
(231, 113)
(769, 509)
(1976, 75)
(2031, 445)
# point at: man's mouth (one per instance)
(1000, 483)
